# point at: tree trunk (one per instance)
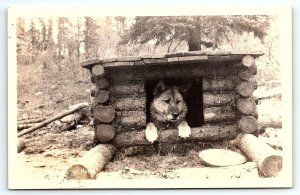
(93, 161)
(267, 159)
(194, 41)
(204, 133)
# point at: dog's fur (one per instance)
(168, 110)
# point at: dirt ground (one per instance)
(47, 155)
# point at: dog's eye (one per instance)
(167, 101)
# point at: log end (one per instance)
(246, 106)
(104, 114)
(98, 70)
(101, 96)
(248, 60)
(101, 83)
(77, 172)
(248, 124)
(21, 145)
(104, 133)
(245, 88)
(272, 165)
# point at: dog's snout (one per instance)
(175, 115)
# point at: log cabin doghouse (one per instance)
(219, 100)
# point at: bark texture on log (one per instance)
(219, 114)
(267, 159)
(246, 106)
(245, 88)
(129, 89)
(65, 123)
(130, 103)
(104, 133)
(222, 84)
(98, 70)
(269, 122)
(248, 124)
(204, 133)
(217, 99)
(91, 163)
(104, 114)
(101, 96)
(132, 119)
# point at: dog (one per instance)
(168, 110)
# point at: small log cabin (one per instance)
(219, 101)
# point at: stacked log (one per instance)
(245, 103)
(129, 100)
(218, 99)
(102, 110)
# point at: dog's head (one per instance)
(168, 103)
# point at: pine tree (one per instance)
(196, 31)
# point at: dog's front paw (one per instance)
(184, 130)
(151, 132)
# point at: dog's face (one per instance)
(168, 103)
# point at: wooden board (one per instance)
(221, 157)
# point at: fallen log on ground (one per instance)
(21, 145)
(24, 126)
(66, 122)
(91, 163)
(268, 161)
(204, 133)
(47, 121)
(30, 121)
(269, 122)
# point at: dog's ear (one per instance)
(183, 89)
(159, 88)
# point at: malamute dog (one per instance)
(168, 110)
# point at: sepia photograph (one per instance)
(149, 97)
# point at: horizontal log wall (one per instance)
(155, 73)
(129, 100)
(204, 133)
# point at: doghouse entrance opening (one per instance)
(193, 98)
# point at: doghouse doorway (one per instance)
(193, 98)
